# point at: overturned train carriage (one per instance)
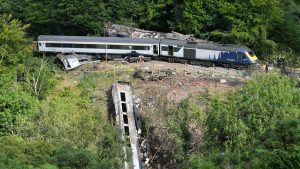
(171, 50)
(128, 122)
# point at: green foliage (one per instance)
(257, 125)
(78, 18)
(246, 22)
(38, 76)
(126, 12)
(241, 120)
(69, 118)
(178, 122)
(68, 156)
(16, 105)
(195, 17)
(13, 49)
(156, 14)
(108, 152)
(287, 31)
(15, 152)
(14, 7)
(280, 146)
(199, 163)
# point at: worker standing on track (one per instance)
(267, 67)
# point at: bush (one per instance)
(256, 126)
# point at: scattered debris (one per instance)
(139, 59)
(222, 81)
(73, 61)
(114, 30)
(149, 75)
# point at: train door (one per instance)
(239, 57)
(155, 50)
(170, 50)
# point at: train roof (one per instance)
(223, 47)
(92, 39)
(208, 45)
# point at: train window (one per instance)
(90, 46)
(251, 53)
(125, 118)
(40, 44)
(126, 47)
(53, 45)
(140, 48)
(176, 49)
(164, 48)
(126, 128)
(124, 107)
(100, 46)
(78, 46)
(67, 45)
(123, 98)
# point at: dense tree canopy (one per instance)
(13, 50)
(257, 126)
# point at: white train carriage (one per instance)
(98, 45)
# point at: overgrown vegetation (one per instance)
(255, 127)
(43, 126)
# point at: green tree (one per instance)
(38, 76)
(280, 146)
(14, 7)
(16, 105)
(257, 125)
(286, 32)
(16, 152)
(13, 44)
(240, 22)
(126, 12)
(67, 17)
(240, 120)
(156, 14)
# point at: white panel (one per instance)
(179, 53)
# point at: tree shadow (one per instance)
(111, 113)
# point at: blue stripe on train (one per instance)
(232, 57)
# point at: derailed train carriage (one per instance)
(171, 50)
(207, 53)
